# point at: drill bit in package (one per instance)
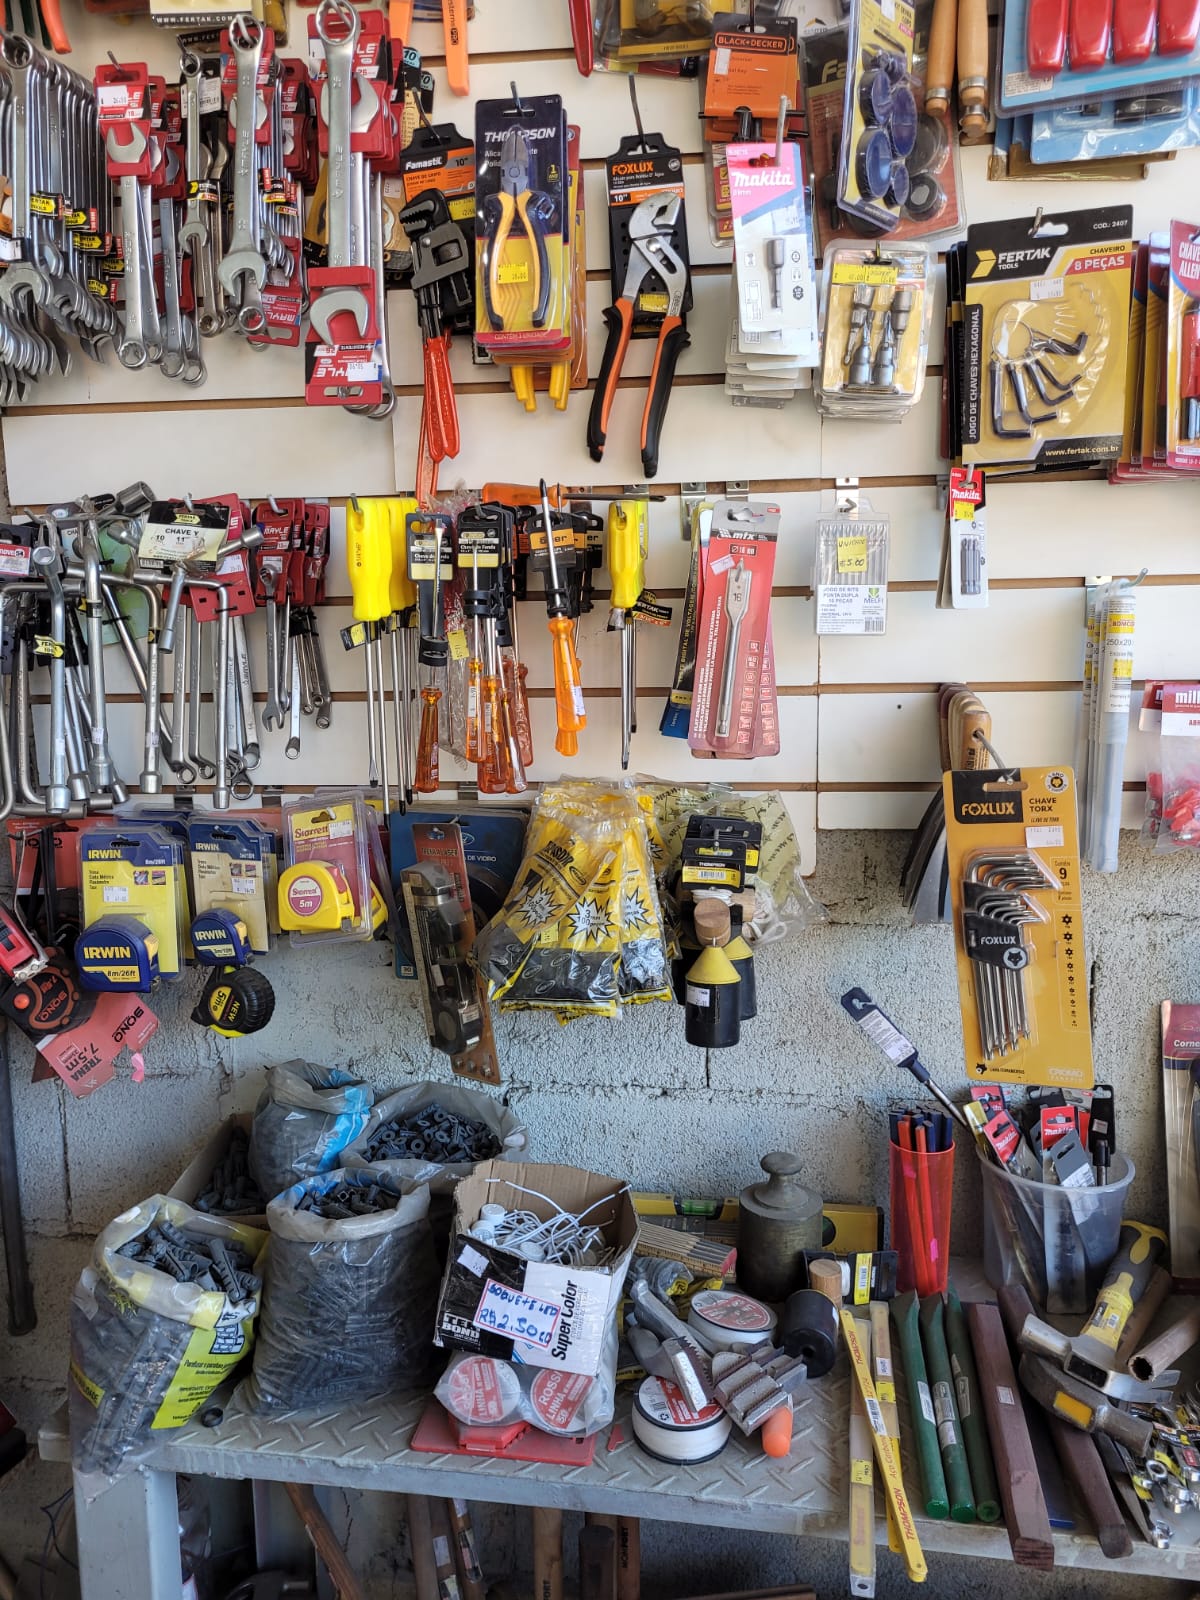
(581, 930)
(877, 305)
(851, 569)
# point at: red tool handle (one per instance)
(1090, 33)
(57, 34)
(441, 408)
(581, 36)
(1134, 24)
(1178, 25)
(1046, 36)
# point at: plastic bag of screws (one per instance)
(305, 1118)
(160, 1316)
(350, 1284)
(230, 1190)
(436, 1133)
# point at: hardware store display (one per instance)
(466, 818)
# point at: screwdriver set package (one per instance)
(880, 118)
(876, 304)
(850, 572)
(1048, 57)
(753, 65)
(1013, 861)
(522, 227)
(1045, 340)
(734, 709)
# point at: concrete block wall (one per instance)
(627, 1097)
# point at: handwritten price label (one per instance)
(517, 1315)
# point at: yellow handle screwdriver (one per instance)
(627, 522)
(402, 598)
(369, 563)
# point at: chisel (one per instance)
(906, 1316)
(970, 1411)
(945, 1409)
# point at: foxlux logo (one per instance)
(988, 808)
(562, 1341)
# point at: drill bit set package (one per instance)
(876, 308)
(349, 1293)
(735, 714)
(850, 572)
(1045, 341)
(1012, 853)
(580, 932)
(161, 1315)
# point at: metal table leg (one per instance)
(128, 1539)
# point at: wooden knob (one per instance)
(826, 1278)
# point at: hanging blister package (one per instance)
(1035, 68)
(1181, 1111)
(735, 713)
(851, 571)
(1046, 340)
(326, 891)
(1100, 130)
(1179, 767)
(880, 117)
(1183, 349)
(773, 252)
(877, 305)
(963, 579)
(1013, 862)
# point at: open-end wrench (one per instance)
(175, 354)
(245, 687)
(274, 712)
(195, 706)
(292, 748)
(243, 270)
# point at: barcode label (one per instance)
(875, 1415)
(889, 1039)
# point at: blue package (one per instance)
(493, 844)
(1137, 125)
(1021, 90)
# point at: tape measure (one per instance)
(314, 897)
(117, 953)
(220, 939)
(236, 1001)
(49, 1001)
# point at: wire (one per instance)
(51, 1513)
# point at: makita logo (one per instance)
(988, 808)
(128, 1023)
(762, 178)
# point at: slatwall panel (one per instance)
(858, 716)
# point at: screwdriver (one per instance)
(369, 561)
(568, 691)
(428, 555)
(403, 599)
(513, 669)
(627, 570)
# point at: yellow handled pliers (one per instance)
(514, 200)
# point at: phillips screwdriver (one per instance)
(429, 558)
(627, 571)
(568, 690)
(369, 562)
(403, 598)
(514, 672)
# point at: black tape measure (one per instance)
(236, 1001)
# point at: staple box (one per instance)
(537, 1314)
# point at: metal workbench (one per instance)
(128, 1537)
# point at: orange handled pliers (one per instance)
(650, 250)
(517, 200)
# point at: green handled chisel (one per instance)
(970, 1411)
(905, 1314)
(949, 1430)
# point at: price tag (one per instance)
(852, 552)
(517, 1315)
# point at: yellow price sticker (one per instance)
(512, 272)
(457, 640)
(860, 1472)
(964, 511)
(852, 552)
(875, 273)
(1122, 669)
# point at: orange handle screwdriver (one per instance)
(400, 20)
(441, 407)
(55, 31)
(516, 697)
(428, 751)
(568, 689)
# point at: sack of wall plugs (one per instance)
(783, 903)
(486, 1391)
(161, 1315)
(349, 1292)
(435, 1133)
(581, 930)
(305, 1117)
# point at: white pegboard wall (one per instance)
(857, 715)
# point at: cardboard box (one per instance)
(193, 1180)
(499, 1304)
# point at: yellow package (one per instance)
(136, 871)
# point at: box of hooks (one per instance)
(536, 1265)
